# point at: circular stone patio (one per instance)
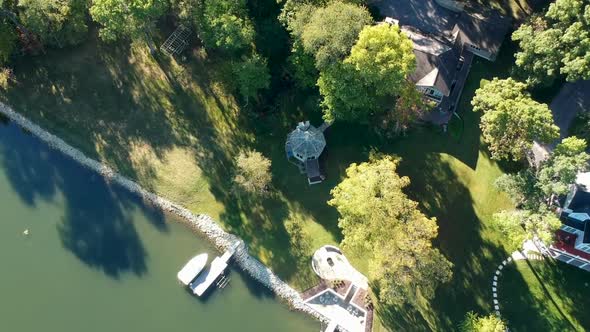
(329, 263)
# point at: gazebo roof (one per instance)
(306, 142)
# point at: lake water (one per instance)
(98, 259)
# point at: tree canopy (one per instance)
(126, 18)
(522, 188)
(56, 22)
(328, 33)
(374, 73)
(557, 43)
(567, 160)
(302, 67)
(251, 75)
(383, 56)
(476, 323)
(511, 119)
(344, 94)
(520, 225)
(379, 220)
(252, 172)
(225, 25)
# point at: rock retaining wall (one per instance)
(201, 223)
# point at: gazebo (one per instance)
(304, 146)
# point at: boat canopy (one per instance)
(204, 280)
(190, 271)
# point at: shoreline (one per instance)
(201, 223)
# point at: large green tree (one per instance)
(225, 25)
(302, 67)
(476, 323)
(374, 74)
(251, 75)
(345, 95)
(557, 43)
(126, 18)
(252, 172)
(56, 22)
(567, 160)
(328, 33)
(379, 220)
(511, 119)
(520, 225)
(383, 56)
(530, 190)
(522, 188)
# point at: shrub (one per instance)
(253, 172)
(5, 78)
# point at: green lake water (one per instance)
(98, 259)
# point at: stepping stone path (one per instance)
(516, 256)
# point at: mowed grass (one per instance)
(545, 296)
(176, 127)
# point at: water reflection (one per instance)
(96, 226)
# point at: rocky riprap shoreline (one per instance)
(200, 223)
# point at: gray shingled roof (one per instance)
(446, 64)
(425, 15)
(484, 31)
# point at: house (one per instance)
(574, 235)
(446, 38)
(572, 99)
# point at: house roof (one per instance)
(576, 209)
(486, 32)
(573, 98)
(580, 201)
(436, 70)
(575, 220)
(425, 15)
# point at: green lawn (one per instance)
(550, 296)
(175, 127)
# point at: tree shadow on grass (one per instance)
(100, 98)
(436, 187)
(97, 225)
(526, 305)
(568, 283)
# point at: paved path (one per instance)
(530, 252)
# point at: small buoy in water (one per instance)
(26, 232)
